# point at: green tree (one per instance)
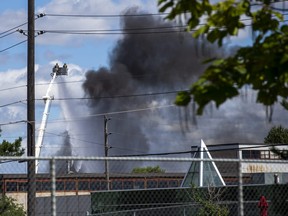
(8, 207)
(209, 201)
(263, 65)
(11, 149)
(278, 135)
(148, 169)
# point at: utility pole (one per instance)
(31, 201)
(106, 148)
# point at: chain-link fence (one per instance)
(143, 186)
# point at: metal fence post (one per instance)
(240, 188)
(53, 186)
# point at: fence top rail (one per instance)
(165, 159)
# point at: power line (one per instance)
(71, 82)
(7, 34)
(124, 32)
(15, 87)
(58, 83)
(106, 15)
(96, 32)
(117, 30)
(127, 15)
(71, 137)
(21, 86)
(15, 122)
(17, 44)
(210, 150)
(119, 96)
(111, 113)
(94, 143)
(137, 120)
(11, 29)
(25, 23)
(100, 97)
(115, 33)
(16, 27)
(12, 103)
(155, 154)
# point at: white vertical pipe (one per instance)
(201, 166)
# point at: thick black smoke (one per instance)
(150, 61)
(152, 57)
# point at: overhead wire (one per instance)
(104, 15)
(127, 31)
(12, 103)
(11, 88)
(8, 32)
(94, 143)
(71, 82)
(79, 118)
(108, 31)
(100, 97)
(10, 47)
(15, 122)
(118, 96)
(73, 138)
(17, 44)
(136, 120)
(103, 114)
(11, 29)
(117, 30)
(135, 15)
(210, 150)
(25, 23)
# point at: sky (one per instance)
(109, 65)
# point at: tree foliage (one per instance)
(209, 201)
(148, 169)
(11, 149)
(263, 65)
(8, 207)
(278, 135)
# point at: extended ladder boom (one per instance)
(47, 100)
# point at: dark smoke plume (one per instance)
(149, 61)
(145, 61)
(142, 62)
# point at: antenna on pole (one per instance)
(56, 71)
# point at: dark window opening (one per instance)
(128, 185)
(23, 186)
(152, 184)
(163, 184)
(83, 185)
(116, 185)
(59, 185)
(139, 185)
(70, 186)
(11, 186)
(251, 154)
